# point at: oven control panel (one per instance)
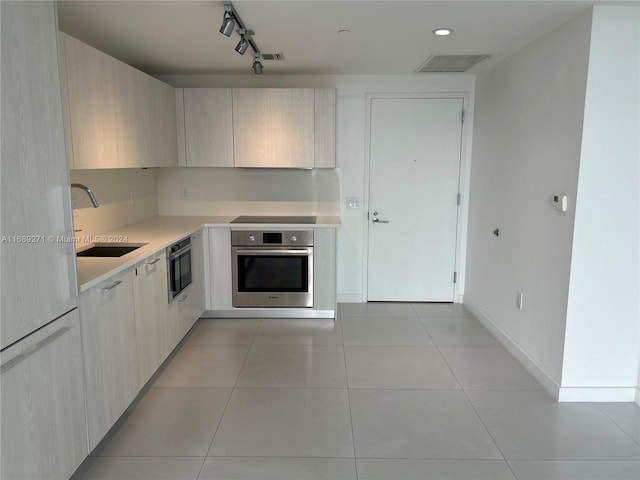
(271, 237)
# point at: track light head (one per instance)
(242, 45)
(227, 25)
(257, 64)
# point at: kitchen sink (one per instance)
(110, 249)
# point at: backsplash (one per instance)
(113, 190)
(235, 191)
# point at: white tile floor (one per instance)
(389, 391)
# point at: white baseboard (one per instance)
(562, 394)
(598, 394)
(539, 373)
(350, 298)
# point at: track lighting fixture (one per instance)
(257, 64)
(231, 18)
(243, 44)
(227, 25)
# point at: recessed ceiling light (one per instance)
(442, 32)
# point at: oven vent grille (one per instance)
(450, 63)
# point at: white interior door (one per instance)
(414, 175)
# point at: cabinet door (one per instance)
(196, 300)
(178, 313)
(219, 269)
(109, 350)
(325, 128)
(93, 102)
(273, 127)
(38, 278)
(44, 432)
(162, 115)
(150, 300)
(324, 268)
(133, 117)
(208, 123)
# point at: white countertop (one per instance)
(158, 233)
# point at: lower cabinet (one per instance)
(109, 350)
(43, 410)
(150, 299)
(128, 330)
(219, 269)
(188, 305)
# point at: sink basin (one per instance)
(110, 249)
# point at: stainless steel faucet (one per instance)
(89, 192)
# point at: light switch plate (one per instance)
(353, 203)
(560, 202)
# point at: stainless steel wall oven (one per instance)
(272, 268)
(178, 267)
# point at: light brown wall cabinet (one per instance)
(109, 350)
(119, 117)
(258, 127)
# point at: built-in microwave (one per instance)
(178, 267)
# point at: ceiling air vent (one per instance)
(273, 56)
(450, 63)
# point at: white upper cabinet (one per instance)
(208, 124)
(119, 117)
(92, 105)
(273, 127)
(257, 127)
(325, 128)
(38, 267)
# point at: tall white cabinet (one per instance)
(43, 419)
(36, 209)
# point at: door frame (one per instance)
(463, 184)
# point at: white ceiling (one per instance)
(386, 37)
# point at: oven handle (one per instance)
(283, 251)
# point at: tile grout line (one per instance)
(595, 404)
(479, 417)
(346, 372)
(228, 401)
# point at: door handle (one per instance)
(377, 220)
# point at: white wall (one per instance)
(526, 147)
(351, 134)
(234, 191)
(603, 318)
(112, 189)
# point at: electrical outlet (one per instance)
(132, 198)
(185, 192)
(519, 300)
(75, 207)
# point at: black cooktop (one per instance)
(274, 219)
